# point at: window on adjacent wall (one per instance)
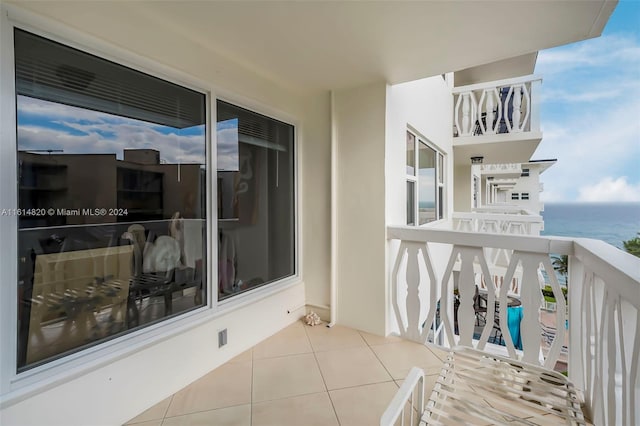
(525, 196)
(256, 215)
(525, 173)
(111, 177)
(425, 181)
(515, 196)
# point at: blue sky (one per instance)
(48, 125)
(590, 114)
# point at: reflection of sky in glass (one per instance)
(426, 176)
(227, 145)
(44, 125)
(427, 187)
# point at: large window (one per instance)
(256, 239)
(425, 181)
(111, 197)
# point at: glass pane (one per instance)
(411, 154)
(255, 204)
(411, 203)
(440, 168)
(112, 195)
(426, 184)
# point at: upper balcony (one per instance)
(499, 120)
(502, 171)
(511, 220)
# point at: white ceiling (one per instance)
(320, 45)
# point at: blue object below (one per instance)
(514, 317)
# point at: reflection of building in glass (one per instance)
(147, 189)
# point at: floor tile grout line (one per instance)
(284, 355)
(202, 411)
(164, 416)
(289, 397)
(333, 407)
(379, 360)
(364, 384)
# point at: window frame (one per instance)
(439, 181)
(15, 385)
(265, 290)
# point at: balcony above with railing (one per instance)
(508, 170)
(499, 120)
(512, 221)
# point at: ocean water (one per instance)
(610, 222)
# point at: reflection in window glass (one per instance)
(426, 184)
(255, 201)
(411, 203)
(111, 177)
(411, 154)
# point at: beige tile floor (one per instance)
(300, 376)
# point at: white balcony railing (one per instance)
(511, 168)
(504, 106)
(508, 223)
(604, 306)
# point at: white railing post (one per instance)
(534, 121)
(575, 294)
(466, 113)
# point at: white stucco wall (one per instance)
(115, 388)
(359, 123)
(530, 184)
(462, 196)
(370, 125)
(424, 106)
(315, 194)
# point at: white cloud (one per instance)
(600, 52)
(552, 195)
(610, 189)
(589, 114)
(589, 147)
(589, 94)
(82, 131)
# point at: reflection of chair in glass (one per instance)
(154, 262)
(163, 265)
(69, 290)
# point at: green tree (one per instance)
(632, 246)
(561, 264)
